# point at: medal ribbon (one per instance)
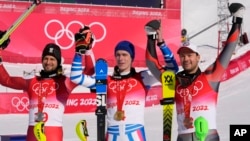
(121, 94)
(41, 99)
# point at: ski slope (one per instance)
(233, 101)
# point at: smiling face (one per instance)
(189, 60)
(123, 60)
(49, 63)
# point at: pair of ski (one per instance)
(168, 80)
(101, 70)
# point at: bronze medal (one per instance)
(119, 115)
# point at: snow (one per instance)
(233, 101)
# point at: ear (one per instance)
(198, 57)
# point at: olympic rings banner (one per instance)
(51, 22)
(57, 23)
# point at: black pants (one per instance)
(211, 136)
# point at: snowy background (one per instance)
(233, 102)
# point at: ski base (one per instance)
(168, 92)
(101, 70)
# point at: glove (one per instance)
(83, 40)
(6, 42)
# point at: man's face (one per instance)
(49, 63)
(123, 60)
(189, 60)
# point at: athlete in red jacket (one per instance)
(48, 92)
(196, 92)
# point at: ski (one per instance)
(184, 37)
(168, 82)
(201, 128)
(167, 101)
(151, 28)
(13, 27)
(81, 130)
(39, 131)
(101, 70)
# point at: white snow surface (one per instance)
(233, 101)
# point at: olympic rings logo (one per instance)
(114, 86)
(195, 89)
(20, 104)
(48, 88)
(65, 30)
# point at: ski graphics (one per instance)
(39, 131)
(101, 70)
(167, 101)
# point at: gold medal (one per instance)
(119, 115)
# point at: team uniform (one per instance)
(126, 93)
(199, 98)
(52, 91)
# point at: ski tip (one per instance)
(101, 60)
(183, 32)
(234, 7)
(155, 24)
(81, 130)
(166, 137)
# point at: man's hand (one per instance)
(83, 40)
(6, 42)
(188, 122)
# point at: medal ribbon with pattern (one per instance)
(120, 114)
(41, 101)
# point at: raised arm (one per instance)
(77, 74)
(81, 75)
(6, 80)
(154, 34)
(216, 70)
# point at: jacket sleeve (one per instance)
(153, 63)
(6, 80)
(77, 74)
(89, 63)
(215, 71)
